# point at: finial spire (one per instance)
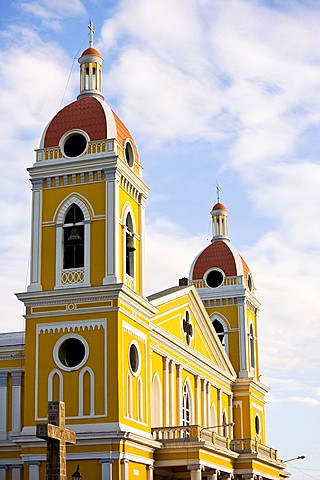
(218, 193)
(90, 26)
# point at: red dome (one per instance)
(91, 51)
(221, 255)
(91, 115)
(219, 206)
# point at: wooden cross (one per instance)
(56, 435)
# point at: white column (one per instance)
(15, 475)
(34, 470)
(112, 231)
(220, 417)
(142, 240)
(208, 403)
(243, 339)
(204, 406)
(35, 266)
(197, 400)
(125, 469)
(3, 470)
(150, 472)
(106, 468)
(213, 475)
(179, 388)
(230, 399)
(171, 393)
(166, 391)
(3, 403)
(196, 472)
(16, 401)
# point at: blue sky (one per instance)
(212, 90)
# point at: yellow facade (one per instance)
(150, 387)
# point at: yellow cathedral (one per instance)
(159, 387)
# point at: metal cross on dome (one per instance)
(90, 26)
(187, 327)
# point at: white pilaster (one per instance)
(142, 241)
(106, 468)
(16, 401)
(166, 391)
(149, 472)
(243, 339)
(208, 403)
(179, 394)
(230, 413)
(171, 393)
(125, 469)
(15, 475)
(3, 472)
(204, 403)
(112, 230)
(220, 416)
(195, 472)
(197, 399)
(35, 266)
(34, 470)
(3, 403)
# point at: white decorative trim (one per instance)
(70, 326)
(111, 123)
(50, 385)
(57, 348)
(140, 399)
(129, 395)
(137, 373)
(68, 134)
(59, 215)
(188, 387)
(226, 328)
(35, 274)
(257, 407)
(92, 388)
(3, 402)
(156, 401)
(134, 332)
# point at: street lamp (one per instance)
(229, 424)
(299, 457)
(76, 475)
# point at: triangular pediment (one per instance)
(183, 326)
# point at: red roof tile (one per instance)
(86, 114)
(219, 206)
(218, 255)
(91, 51)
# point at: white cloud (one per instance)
(52, 13)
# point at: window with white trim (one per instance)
(186, 406)
(251, 341)
(73, 238)
(222, 332)
(130, 246)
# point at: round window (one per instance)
(257, 424)
(134, 359)
(70, 352)
(75, 145)
(214, 278)
(129, 154)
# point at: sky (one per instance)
(213, 91)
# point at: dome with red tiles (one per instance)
(91, 115)
(219, 206)
(219, 255)
(91, 51)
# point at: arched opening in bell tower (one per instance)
(130, 247)
(73, 238)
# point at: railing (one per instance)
(72, 276)
(248, 445)
(188, 433)
(235, 280)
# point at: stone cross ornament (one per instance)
(57, 436)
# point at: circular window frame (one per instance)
(57, 348)
(250, 282)
(137, 372)
(214, 269)
(132, 155)
(69, 134)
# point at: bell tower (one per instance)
(226, 288)
(88, 195)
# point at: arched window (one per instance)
(73, 243)
(251, 340)
(222, 332)
(73, 238)
(186, 406)
(130, 247)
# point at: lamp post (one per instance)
(299, 457)
(76, 475)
